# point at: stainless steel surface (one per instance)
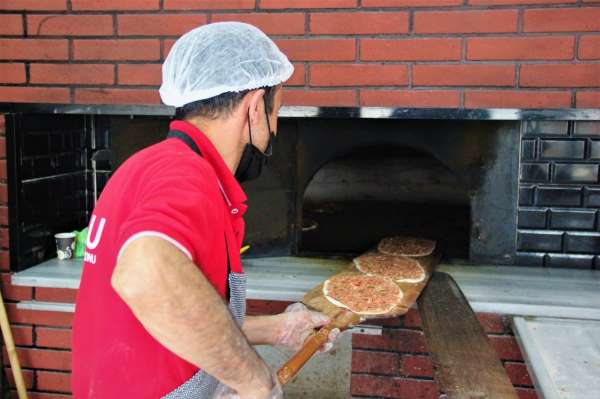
(562, 355)
(325, 112)
(523, 291)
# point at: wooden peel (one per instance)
(344, 319)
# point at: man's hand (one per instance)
(296, 324)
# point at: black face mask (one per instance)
(252, 160)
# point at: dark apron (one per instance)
(203, 385)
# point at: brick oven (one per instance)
(453, 119)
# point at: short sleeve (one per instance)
(178, 204)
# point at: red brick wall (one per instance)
(417, 53)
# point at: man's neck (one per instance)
(222, 134)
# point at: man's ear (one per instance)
(255, 100)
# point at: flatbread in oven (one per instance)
(401, 269)
(363, 294)
(406, 246)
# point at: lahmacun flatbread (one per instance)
(406, 246)
(401, 269)
(363, 294)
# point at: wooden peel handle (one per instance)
(342, 320)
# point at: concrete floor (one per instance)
(325, 376)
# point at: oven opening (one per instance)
(355, 200)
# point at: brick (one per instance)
(392, 340)
(587, 99)
(560, 75)
(72, 73)
(410, 98)
(12, 73)
(358, 23)
(58, 338)
(546, 127)
(22, 335)
(318, 49)
(589, 48)
(158, 24)
(42, 358)
(340, 98)
(37, 317)
(34, 5)
(4, 237)
(208, 4)
(417, 366)
(526, 393)
(139, 74)
(424, 49)
(463, 75)
(3, 214)
(531, 218)
(492, 323)
(312, 4)
(392, 387)
(575, 173)
(4, 258)
(34, 49)
(539, 240)
(256, 307)
(98, 5)
(412, 318)
(33, 95)
(534, 259)
(506, 347)
(521, 48)
(562, 149)
(558, 196)
(358, 75)
(14, 292)
(271, 24)
(562, 20)
(517, 99)
(502, 2)
(28, 377)
(53, 381)
(517, 372)
(117, 50)
(3, 172)
(69, 25)
(11, 24)
(55, 294)
(3, 187)
(298, 78)
(585, 243)
(387, 322)
(570, 261)
(489, 21)
(375, 362)
(410, 3)
(116, 96)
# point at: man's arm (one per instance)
(179, 307)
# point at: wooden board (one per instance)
(465, 364)
(315, 299)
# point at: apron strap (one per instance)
(186, 139)
(194, 147)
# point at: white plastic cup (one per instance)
(65, 245)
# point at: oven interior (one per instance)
(332, 188)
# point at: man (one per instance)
(160, 310)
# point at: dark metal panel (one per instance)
(326, 112)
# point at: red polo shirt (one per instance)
(169, 191)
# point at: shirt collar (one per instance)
(233, 193)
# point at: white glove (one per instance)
(297, 323)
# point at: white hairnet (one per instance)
(218, 58)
